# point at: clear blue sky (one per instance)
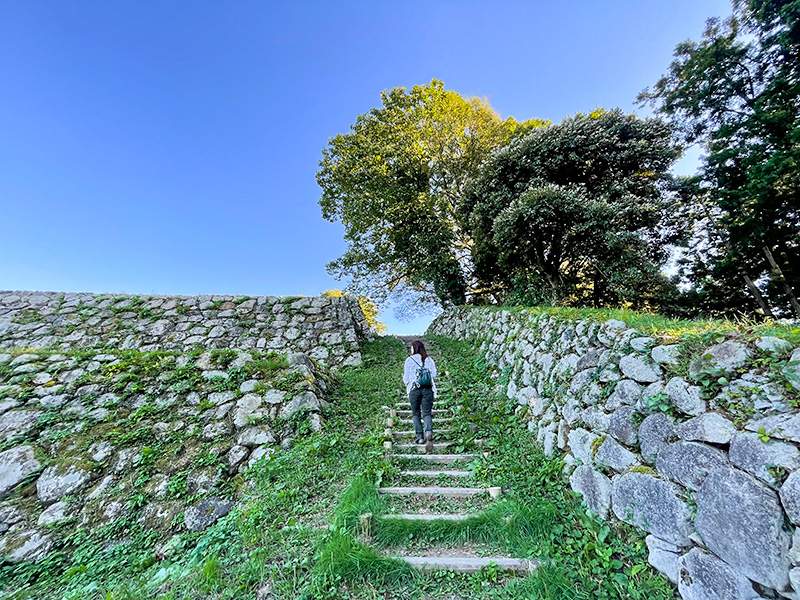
(170, 147)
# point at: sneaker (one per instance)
(429, 441)
(419, 441)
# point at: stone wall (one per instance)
(697, 443)
(142, 414)
(327, 329)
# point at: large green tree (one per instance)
(393, 181)
(737, 92)
(576, 213)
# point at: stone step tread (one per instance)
(421, 447)
(423, 517)
(439, 420)
(435, 411)
(408, 432)
(469, 564)
(435, 490)
(436, 473)
(441, 458)
(405, 405)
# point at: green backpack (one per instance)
(424, 379)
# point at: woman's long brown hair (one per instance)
(418, 347)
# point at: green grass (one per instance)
(661, 327)
(599, 560)
(508, 526)
(298, 533)
(272, 539)
(541, 518)
(343, 560)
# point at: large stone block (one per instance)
(635, 367)
(58, 481)
(623, 425)
(663, 556)
(206, 513)
(773, 345)
(571, 409)
(790, 498)
(17, 422)
(666, 355)
(580, 443)
(689, 463)
(625, 393)
(589, 360)
(30, 545)
(612, 454)
(255, 435)
(15, 465)
(581, 380)
(741, 521)
(782, 427)
(594, 487)
(596, 419)
(652, 504)
(726, 356)
(765, 460)
(709, 427)
(302, 402)
(702, 576)
(655, 432)
(248, 409)
(685, 397)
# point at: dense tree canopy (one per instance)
(442, 199)
(737, 92)
(393, 181)
(576, 213)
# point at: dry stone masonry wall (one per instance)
(696, 444)
(327, 329)
(142, 414)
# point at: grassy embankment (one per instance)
(298, 534)
(666, 329)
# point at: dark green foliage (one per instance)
(393, 180)
(342, 559)
(576, 213)
(223, 358)
(265, 366)
(736, 92)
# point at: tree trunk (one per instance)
(777, 274)
(757, 293)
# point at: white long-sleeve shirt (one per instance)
(410, 371)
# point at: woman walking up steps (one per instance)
(419, 375)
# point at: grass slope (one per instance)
(298, 534)
(666, 329)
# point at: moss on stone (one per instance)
(596, 444)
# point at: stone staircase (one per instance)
(400, 448)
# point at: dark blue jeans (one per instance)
(421, 400)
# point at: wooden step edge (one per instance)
(405, 405)
(421, 447)
(469, 564)
(437, 445)
(436, 411)
(435, 473)
(439, 432)
(421, 517)
(439, 420)
(437, 457)
(446, 492)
